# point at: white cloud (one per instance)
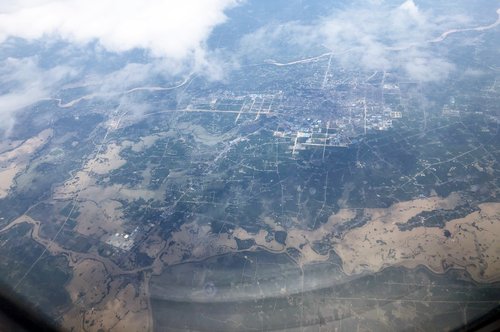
(369, 35)
(173, 32)
(427, 69)
(383, 37)
(409, 12)
(25, 83)
(130, 76)
(174, 29)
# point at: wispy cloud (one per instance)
(369, 35)
(172, 35)
(24, 83)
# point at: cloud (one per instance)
(364, 34)
(427, 68)
(175, 29)
(91, 35)
(24, 83)
(130, 76)
(368, 35)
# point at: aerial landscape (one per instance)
(283, 166)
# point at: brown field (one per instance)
(472, 246)
(14, 161)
